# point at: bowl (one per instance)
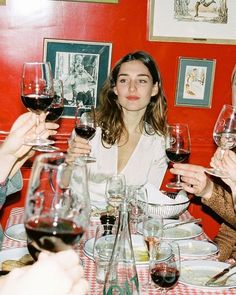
(168, 210)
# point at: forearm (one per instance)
(6, 163)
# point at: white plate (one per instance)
(181, 232)
(140, 250)
(196, 273)
(12, 254)
(194, 248)
(216, 173)
(16, 232)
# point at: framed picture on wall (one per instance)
(195, 82)
(82, 66)
(205, 21)
(2, 2)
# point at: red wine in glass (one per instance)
(85, 131)
(37, 103)
(177, 156)
(54, 113)
(56, 108)
(46, 234)
(164, 276)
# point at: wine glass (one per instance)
(37, 93)
(178, 144)
(57, 205)
(152, 234)
(85, 124)
(165, 265)
(224, 134)
(116, 191)
(138, 200)
(56, 108)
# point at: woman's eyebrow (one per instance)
(139, 75)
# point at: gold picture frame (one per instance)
(2, 2)
(192, 21)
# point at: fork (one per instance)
(222, 282)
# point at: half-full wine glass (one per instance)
(57, 207)
(224, 134)
(178, 145)
(37, 93)
(85, 124)
(165, 265)
(56, 108)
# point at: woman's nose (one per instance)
(132, 86)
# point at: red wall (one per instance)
(22, 29)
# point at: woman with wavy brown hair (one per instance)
(131, 120)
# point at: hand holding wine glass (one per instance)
(177, 147)
(224, 135)
(165, 265)
(37, 93)
(85, 124)
(57, 204)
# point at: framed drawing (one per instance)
(82, 66)
(195, 82)
(199, 21)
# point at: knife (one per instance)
(220, 274)
(174, 224)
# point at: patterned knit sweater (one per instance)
(221, 202)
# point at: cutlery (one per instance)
(222, 282)
(220, 274)
(174, 224)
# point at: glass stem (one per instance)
(37, 125)
(178, 182)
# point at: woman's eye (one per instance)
(141, 81)
(123, 81)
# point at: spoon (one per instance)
(222, 282)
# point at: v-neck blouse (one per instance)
(147, 163)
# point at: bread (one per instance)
(9, 265)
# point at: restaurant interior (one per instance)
(126, 26)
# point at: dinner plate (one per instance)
(16, 232)
(12, 254)
(196, 273)
(140, 250)
(181, 232)
(194, 248)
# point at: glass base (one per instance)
(46, 148)
(216, 172)
(39, 142)
(174, 185)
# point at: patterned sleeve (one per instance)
(10, 187)
(221, 202)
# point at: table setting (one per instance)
(197, 252)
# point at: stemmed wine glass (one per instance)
(57, 106)
(37, 93)
(224, 134)
(57, 205)
(85, 124)
(178, 145)
(116, 191)
(165, 265)
(152, 234)
(54, 112)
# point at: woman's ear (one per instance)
(155, 89)
(115, 90)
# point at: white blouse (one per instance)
(147, 164)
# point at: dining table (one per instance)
(16, 217)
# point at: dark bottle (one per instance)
(122, 277)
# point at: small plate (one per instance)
(140, 250)
(196, 273)
(16, 232)
(12, 254)
(194, 248)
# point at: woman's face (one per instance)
(134, 86)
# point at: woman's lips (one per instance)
(132, 97)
